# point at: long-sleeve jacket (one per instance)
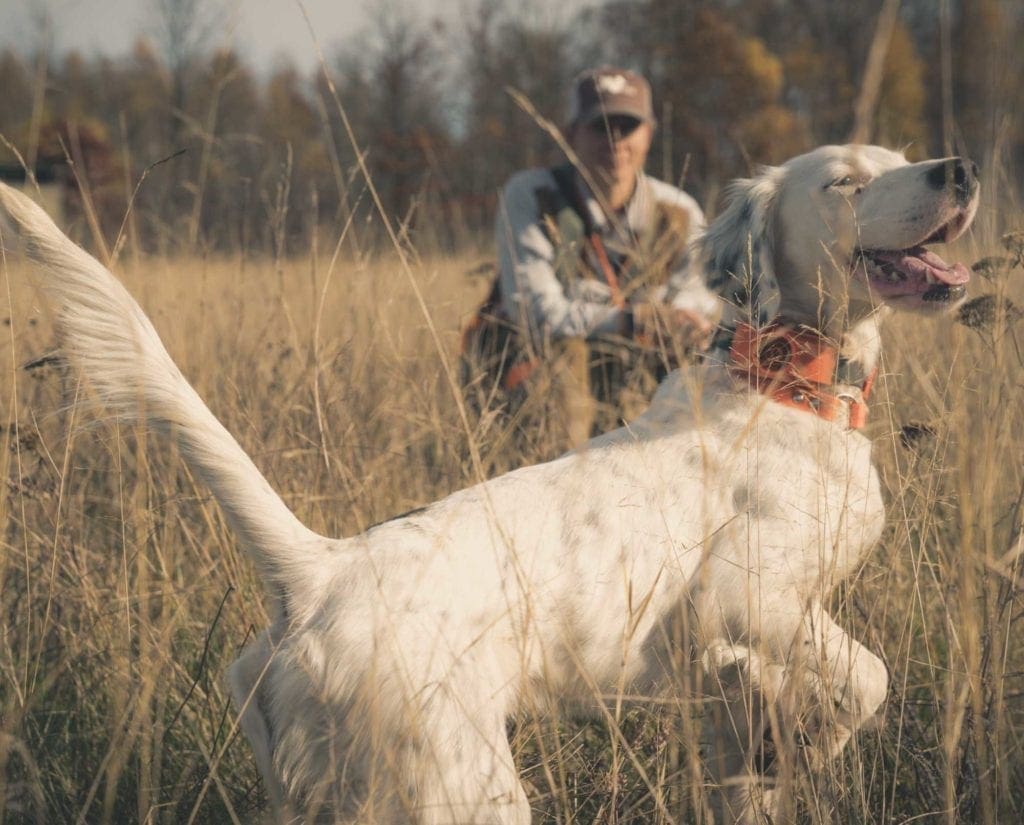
(549, 282)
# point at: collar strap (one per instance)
(796, 367)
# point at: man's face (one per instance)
(613, 149)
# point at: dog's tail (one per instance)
(107, 336)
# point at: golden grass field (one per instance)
(124, 597)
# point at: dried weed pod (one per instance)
(983, 312)
(915, 434)
(28, 475)
(1013, 242)
(23, 437)
(994, 266)
(484, 269)
(51, 359)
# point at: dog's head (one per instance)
(829, 236)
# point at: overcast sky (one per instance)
(260, 29)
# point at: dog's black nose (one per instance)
(958, 174)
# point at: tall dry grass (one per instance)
(124, 597)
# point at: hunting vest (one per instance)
(643, 263)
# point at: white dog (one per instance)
(382, 690)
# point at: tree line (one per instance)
(213, 153)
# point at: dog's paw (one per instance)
(735, 666)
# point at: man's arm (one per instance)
(687, 289)
(530, 288)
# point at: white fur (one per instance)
(381, 692)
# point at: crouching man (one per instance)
(595, 297)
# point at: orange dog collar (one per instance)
(796, 367)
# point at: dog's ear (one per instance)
(737, 250)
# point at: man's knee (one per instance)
(573, 396)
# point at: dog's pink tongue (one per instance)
(921, 262)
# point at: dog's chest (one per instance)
(808, 495)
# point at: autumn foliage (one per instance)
(435, 128)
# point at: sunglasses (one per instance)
(619, 125)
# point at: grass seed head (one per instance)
(994, 266)
(916, 434)
(1013, 242)
(985, 311)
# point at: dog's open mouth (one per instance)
(914, 273)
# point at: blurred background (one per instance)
(248, 101)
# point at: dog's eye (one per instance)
(846, 183)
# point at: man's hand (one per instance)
(670, 329)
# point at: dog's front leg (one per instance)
(852, 684)
(768, 720)
(752, 705)
(743, 689)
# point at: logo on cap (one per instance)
(614, 84)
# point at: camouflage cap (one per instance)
(608, 90)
